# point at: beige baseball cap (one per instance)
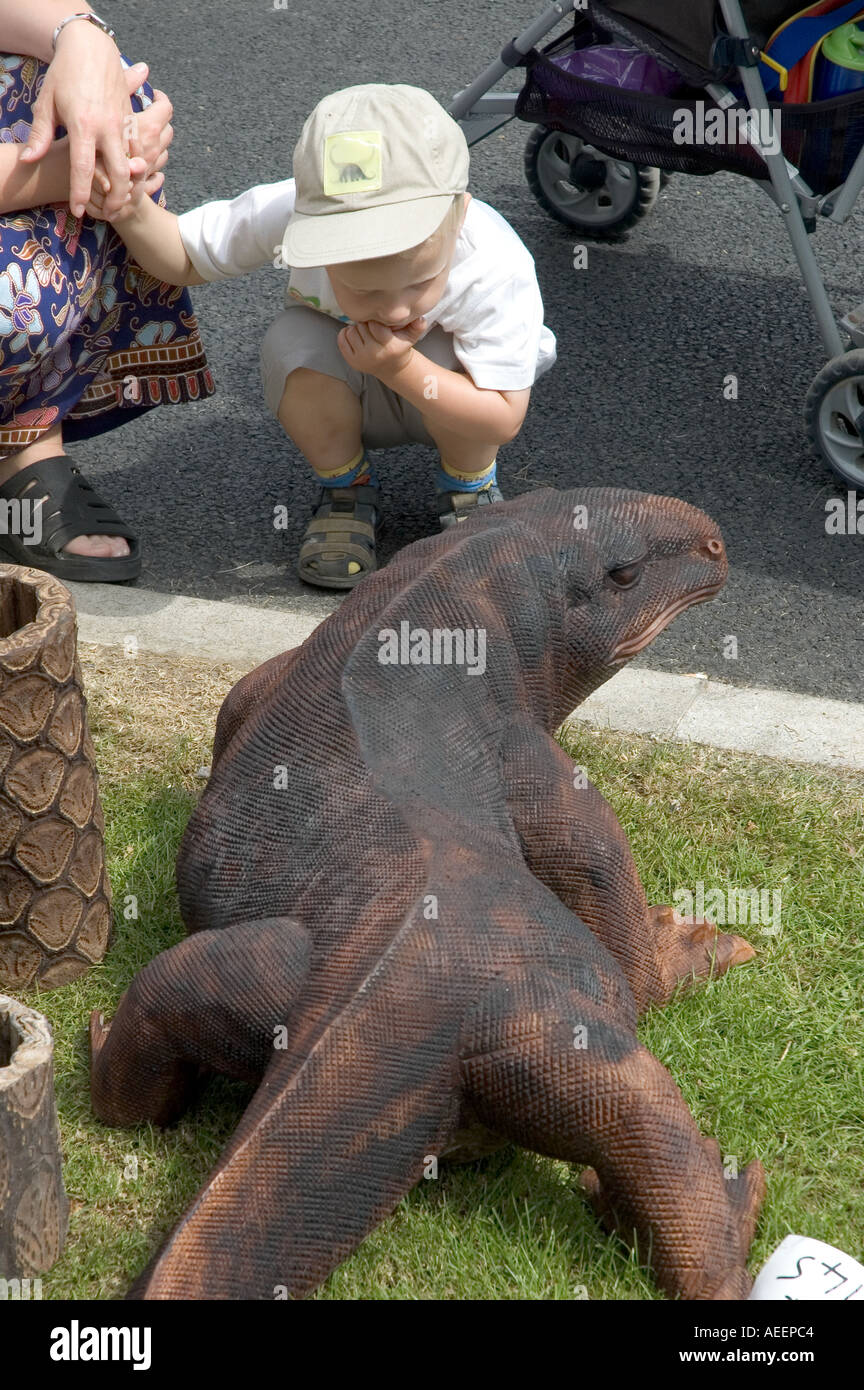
(376, 168)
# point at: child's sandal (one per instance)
(454, 507)
(338, 548)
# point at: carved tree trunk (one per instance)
(55, 900)
(34, 1211)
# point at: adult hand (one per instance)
(375, 348)
(86, 90)
(150, 135)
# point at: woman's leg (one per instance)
(88, 342)
(50, 445)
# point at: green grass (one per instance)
(770, 1058)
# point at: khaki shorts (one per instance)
(304, 337)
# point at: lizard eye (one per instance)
(626, 575)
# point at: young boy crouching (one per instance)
(413, 312)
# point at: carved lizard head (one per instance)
(630, 562)
(580, 581)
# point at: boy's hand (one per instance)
(141, 186)
(381, 351)
(149, 134)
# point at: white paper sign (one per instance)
(803, 1269)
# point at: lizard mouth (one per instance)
(631, 645)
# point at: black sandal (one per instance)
(454, 507)
(70, 507)
(340, 534)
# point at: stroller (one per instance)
(599, 154)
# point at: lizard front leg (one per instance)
(573, 843)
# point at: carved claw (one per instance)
(666, 916)
(592, 1189)
(99, 1031)
(590, 1184)
(747, 1193)
(694, 948)
(722, 950)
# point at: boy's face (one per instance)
(395, 289)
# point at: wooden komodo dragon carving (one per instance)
(402, 904)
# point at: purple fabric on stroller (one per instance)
(619, 65)
(686, 28)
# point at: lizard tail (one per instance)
(324, 1153)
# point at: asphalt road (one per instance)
(705, 286)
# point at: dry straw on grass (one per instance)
(149, 703)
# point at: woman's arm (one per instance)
(84, 89)
(30, 185)
(27, 185)
(26, 26)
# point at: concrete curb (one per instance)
(769, 723)
(694, 709)
(240, 633)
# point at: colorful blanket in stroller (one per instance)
(792, 51)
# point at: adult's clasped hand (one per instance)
(87, 90)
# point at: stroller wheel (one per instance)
(834, 415)
(586, 189)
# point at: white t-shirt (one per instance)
(491, 304)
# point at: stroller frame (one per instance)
(480, 112)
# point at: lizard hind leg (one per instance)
(745, 1189)
(210, 1003)
(611, 1104)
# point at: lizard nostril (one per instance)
(712, 547)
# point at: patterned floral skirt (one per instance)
(86, 336)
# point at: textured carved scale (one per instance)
(443, 927)
(55, 916)
(33, 1206)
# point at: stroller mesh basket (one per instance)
(821, 138)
